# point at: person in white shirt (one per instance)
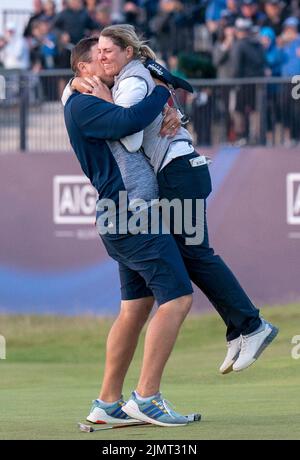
(16, 52)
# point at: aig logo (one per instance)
(293, 198)
(74, 200)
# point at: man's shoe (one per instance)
(154, 410)
(111, 414)
(254, 344)
(234, 348)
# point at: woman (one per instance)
(182, 174)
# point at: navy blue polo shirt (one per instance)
(90, 121)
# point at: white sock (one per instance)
(140, 398)
(106, 404)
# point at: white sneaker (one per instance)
(112, 414)
(234, 348)
(254, 344)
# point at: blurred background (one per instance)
(240, 56)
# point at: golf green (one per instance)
(54, 368)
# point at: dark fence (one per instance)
(31, 115)
(255, 111)
(249, 111)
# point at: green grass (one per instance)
(54, 367)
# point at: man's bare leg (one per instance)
(121, 344)
(160, 339)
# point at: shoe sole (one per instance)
(229, 368)
(269, 339)
(132, 409)
(102, 418)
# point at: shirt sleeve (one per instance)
(131, 91)
(99, 119)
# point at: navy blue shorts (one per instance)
(149, 265)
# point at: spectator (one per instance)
(222, 50)
(232, 6)
(250, 10)
(103, 16)
(43, 46)
(272, 53)
(231, 13)
(15, 51)
(64, 49)
(290, 41)
(63, 58)
(132, 12)
(2, 46)
(273, 68)
(38, 11)
(91, 6)
(213, 14)
(247, 54)
(275, 15)
(222, 62)
(163, 26)
(173, 66)
(49, 13)
(48, 45)
(75, 21)
(151, 8)
(248, 60)
(35, 47)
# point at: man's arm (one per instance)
(102, 120)
(131, 91)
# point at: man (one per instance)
(275, 15)
(74, 20)
(16, 52)
(155, 258)
(247, 58)
(212, 269)
(250, 10)
(289, 41)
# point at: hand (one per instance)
(159, 82)
(101, 90)
(171, 122)
(82, 85)
(92, 85)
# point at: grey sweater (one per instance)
(154, 146)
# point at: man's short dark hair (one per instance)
(82, 52)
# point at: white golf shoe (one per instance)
(252, 345)
(234, 348)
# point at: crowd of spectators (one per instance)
(238, 38)
(196, 38)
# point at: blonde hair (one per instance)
(124, 35)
